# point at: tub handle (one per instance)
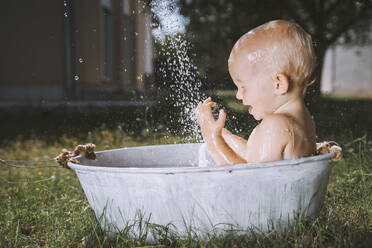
(328, 147)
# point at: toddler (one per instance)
(271, 66)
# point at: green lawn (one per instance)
(55, 213)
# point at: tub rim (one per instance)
(194, 169)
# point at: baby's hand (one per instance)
(208, 124)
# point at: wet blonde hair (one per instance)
(290, 50)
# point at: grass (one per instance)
(55, 213)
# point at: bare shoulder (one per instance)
(276, 122)
(275, 128)
(269, 139)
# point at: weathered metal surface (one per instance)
(164, 181)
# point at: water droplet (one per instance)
(76, 77)
(81, 60)
(65, 14)
(179, 69)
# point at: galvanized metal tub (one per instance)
(164, 182)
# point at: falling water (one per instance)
(184, 89)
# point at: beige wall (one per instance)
(31, 42)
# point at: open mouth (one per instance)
(250, 108)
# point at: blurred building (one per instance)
(347, 71)
(58, 50)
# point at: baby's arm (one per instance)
(237, 144)
(212, 133)
(266, 142)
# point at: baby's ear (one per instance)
(281, 84)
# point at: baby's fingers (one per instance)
(221, 119)
(200, 104)
(197, 109)
(207, 100)
(211, 104)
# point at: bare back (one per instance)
(282, 136)
(304, 138)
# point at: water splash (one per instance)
(170, 20)
(179, 73)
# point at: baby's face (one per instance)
(251, 68)
(253, 89)
(254, 82)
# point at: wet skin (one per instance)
(286, 129)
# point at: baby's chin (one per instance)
(256, 116)
(251, 112)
